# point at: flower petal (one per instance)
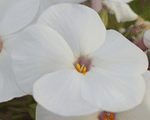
(43, 114)
(122, 11)
(59, 92)
(112, 93)
(1, 2)
(125, 1)
(1, 82)
(16, 14)
(37, 51)
(79, 25)
(9, 89)
(65, 1)
(44, 4)
(142, 111)
(120, 57)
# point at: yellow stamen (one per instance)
(80, 69)
(109, 117)
(84, 70)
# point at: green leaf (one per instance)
(32, 110)
(146, 13)
(135, 6)
(104, 16)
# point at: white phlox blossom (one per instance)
(140, 112)
(75, 65)
(121, 9)
(14, 16)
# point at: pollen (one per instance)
(80, 69)
(111, 116)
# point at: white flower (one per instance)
(92, 68)
(140, 112)
(121, 9)
(14, 16)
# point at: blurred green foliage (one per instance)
(104, 16)
(142, 8)
(22, 108)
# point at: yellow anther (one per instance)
(1, 45)
(109, 117)
(84, 70)
(80, 69)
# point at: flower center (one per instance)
(106, 116)
(83, 64)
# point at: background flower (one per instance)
(121, 9)
(14, 16)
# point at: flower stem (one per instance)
(96, 5)
(140, 43)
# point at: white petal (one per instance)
(16, 14)
(65, 1)
(37, 51)
(79, 25)
(120, 57)
(1, 2)
(122, 11)
(9, 89)
(112, 93)
(125, 1)
(141, 112)
(43, 114)
(44, 4)
(1, 82)
(60, 93)
(147, 38)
